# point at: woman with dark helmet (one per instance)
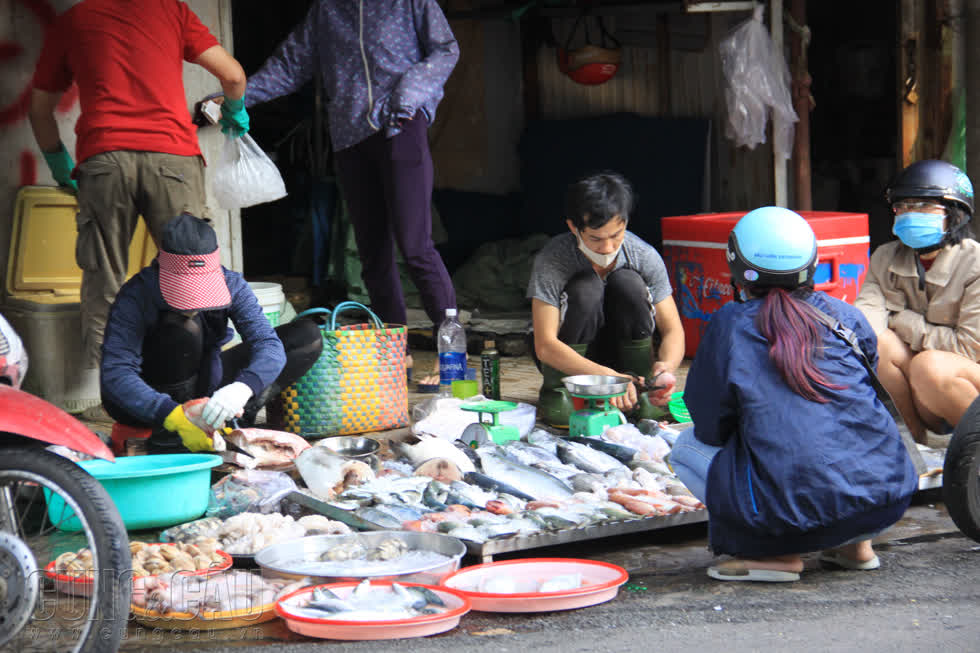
(163, 344)
(791, 450)
(922, 298)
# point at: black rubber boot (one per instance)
(554, 402)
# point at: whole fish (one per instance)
(587, 459)
(471, 493)
(380, 518)
(528, 454)
(369, 603)
(435, 495)
(487, 483)
(622, 453)
(528, 480)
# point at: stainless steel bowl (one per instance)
(275, 559)
(596, 384)
(350, 447)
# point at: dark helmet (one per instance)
(933, 179)
(772, 246)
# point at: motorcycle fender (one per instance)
(32, 417)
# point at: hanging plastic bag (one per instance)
(244, 175)
(757, 83)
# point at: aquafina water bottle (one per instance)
(452, 352)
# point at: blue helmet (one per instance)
(772, 246)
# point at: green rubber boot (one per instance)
(554, 401)
(636, 357)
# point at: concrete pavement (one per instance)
(926, 596)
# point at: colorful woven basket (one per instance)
(357, 385)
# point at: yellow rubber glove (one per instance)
(193, 438)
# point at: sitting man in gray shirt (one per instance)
(597, 295)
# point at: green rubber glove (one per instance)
(61, 164)
(234, 118)
(193, 438)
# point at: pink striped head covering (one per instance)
(191, 276)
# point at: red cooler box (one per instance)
(694, 251)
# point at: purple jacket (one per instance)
(381, 61)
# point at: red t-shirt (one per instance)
(127, 59)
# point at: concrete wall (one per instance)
(22, 26)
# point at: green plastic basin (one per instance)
(678, 408)
(149, 491)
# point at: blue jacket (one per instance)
(380, 61)
(793, 475)
(136, 311)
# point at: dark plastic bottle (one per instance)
(490, 370)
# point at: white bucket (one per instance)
(271, 299)
(273, 302)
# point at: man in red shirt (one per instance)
(137, 148)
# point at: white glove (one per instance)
(225, 403)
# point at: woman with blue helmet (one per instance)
(791, 450)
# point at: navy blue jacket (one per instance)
(136, 311)
(793, 475)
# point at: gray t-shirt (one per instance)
(560, 259)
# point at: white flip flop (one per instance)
(759, 575)
(835, 558)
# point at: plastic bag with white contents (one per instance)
(244, 175)
(757, 84)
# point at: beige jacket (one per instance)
(945, 316)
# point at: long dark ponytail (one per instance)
(793, 332)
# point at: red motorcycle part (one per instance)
(122, 432)
(24, 414)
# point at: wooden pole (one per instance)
(780, 192)
(802, 102)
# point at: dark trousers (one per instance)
(172, 358)
(387, 184)
(603, 314)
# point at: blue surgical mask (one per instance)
(919, 230)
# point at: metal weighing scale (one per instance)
(493, 432)
(597, 390)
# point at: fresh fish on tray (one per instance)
(487, 483)
(622, 453)
(532, 482)
(369, 603)
(586, 458)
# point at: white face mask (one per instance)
(602, 260)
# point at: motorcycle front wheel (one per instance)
(961, 473)
(36, 611)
